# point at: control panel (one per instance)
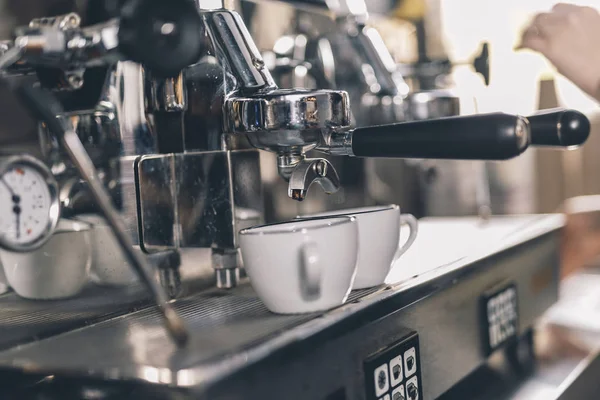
(394, 373)
(499, 317)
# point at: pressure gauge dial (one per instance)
(29, 204)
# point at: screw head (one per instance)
(258, 63)
(73, 21)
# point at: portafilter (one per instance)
(292, 122)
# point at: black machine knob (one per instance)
(559, 127)
(432, 68)
(165, 36)
(481, 63)
(495, 136)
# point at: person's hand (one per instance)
(568, 37)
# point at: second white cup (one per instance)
(57, 270)
(379, 236)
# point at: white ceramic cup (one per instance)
(379, 235)
(59, 269)
(109, 264)
(301, 266)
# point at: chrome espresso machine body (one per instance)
(169, 156)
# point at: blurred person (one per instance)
(568, 37)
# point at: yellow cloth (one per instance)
(411, 10)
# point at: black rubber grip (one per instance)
(494, 136)
(559, 127)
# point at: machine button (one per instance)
(386, 372)
(410, 362)
(398, 393)
(412, 389)
(396, 371)
(386, 397)
(382, 381)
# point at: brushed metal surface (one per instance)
(23, 321)
(222, 322)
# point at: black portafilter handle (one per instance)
(559, 128)
(165, 36)
(495, 136)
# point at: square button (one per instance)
(410, 362)
(382, 380)
(412, 389)
(398, 393)
(386, 397)
(396, 374)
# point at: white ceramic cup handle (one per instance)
(413, 224)
(310, 271)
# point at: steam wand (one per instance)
(45, 107)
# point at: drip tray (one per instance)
(23, 321)
(220, 322)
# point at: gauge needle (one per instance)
(12, 192)
(16, 209)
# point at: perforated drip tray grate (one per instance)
(221, 323)
(23, 321)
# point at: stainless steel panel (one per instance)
(125, 196)
(198, 199)
(156, 194)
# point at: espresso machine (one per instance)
(351, 55)
(169, 156)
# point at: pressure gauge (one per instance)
(29, 204)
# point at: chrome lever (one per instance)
(312, 170)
